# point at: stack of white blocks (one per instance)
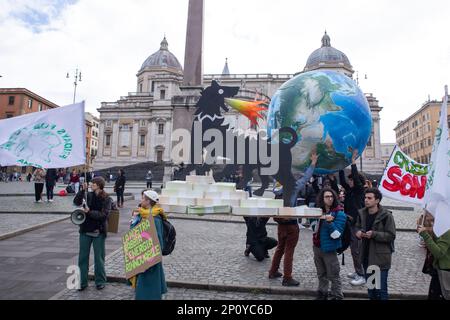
(201, 195)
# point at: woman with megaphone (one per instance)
(96, 204)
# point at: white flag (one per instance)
(48, 139)
(437, 194)
(404, 179)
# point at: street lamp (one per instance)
(77, 78)
(357, 82)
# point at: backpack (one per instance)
(169, 237)
(346, 237)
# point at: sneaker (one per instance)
(277, 274)
(247, 252)
(352, 275)
(290, 282)
(82, 288)
(358, 281)
(321, 296)
(51, 200)
(100, 286)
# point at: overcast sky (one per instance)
(403, 46)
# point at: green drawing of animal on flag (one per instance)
(46, 139)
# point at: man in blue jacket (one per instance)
(326, 240)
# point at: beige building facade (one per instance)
(415, 134)
(138, 127)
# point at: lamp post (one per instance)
(357, 82)
(77, 78)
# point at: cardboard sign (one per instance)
(141, 248)
(404, 179)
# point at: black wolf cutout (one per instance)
(209, 113)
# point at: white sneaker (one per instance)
(39, 201)
(51, 200)
(352, 275)
(358, 281)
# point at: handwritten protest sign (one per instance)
(404, 179)
(141, 248)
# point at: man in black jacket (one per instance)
(354, 200)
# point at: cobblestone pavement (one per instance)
(207, 252)
(33, 264)
(13, 222)
(120, 291)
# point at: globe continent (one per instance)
(329, 113)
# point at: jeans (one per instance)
(149, 184)
(99, 258)
(287, 240)
(119, 194)
(249, 189)
(75, 186)
(49, 188)
(382, 293)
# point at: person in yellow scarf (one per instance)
(151, 284)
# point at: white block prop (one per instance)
(173, 208)
(261, 203)
(302, 211)
(177, 201)
(178, 185)
(201, 210)
(182, 193)
(200, 179)
(240, 211)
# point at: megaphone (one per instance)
(78, 216)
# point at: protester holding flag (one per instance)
(440, 251)
(93, 230)
(39, 179)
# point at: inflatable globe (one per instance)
(329, 113)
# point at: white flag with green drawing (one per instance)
(437, 194)
(48, 139)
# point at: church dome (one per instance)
(327, 56)
(162, 58)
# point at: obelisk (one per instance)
(193, 55)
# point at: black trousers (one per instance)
(260, 249)
(434, 292)
(119, 194)
(49, 188)
(149, 184)
(38, 188)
